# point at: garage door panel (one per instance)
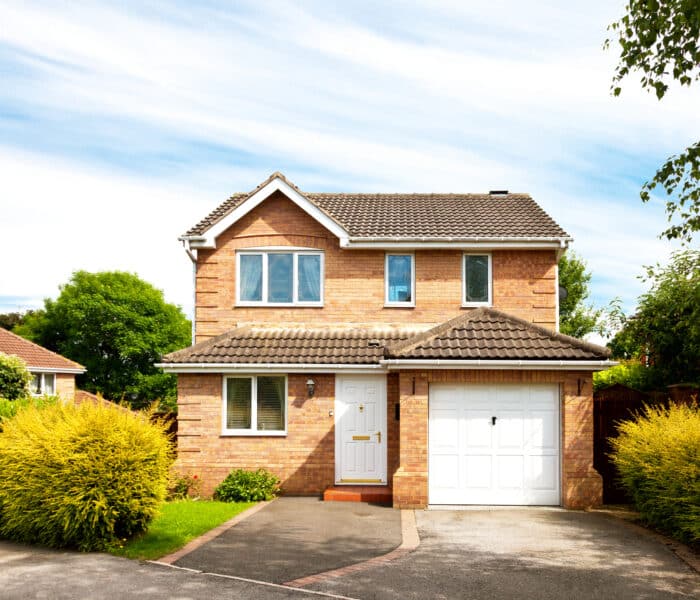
(474, 460)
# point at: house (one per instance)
(51, 372)
(403, 341)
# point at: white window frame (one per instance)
(489, 302)
(387, 302)
(253, 431)
(42, 383)
(265, 252)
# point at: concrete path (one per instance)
(525, 553)
(296, 537)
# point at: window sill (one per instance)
(476, 304)
(247, 433)
(399, 305)
(278, 305)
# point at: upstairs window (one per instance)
(272, 278)
(400, 280)
(477, 280)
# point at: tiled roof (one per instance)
(489, 334)
(416, 216)
(478, 334)
(34, 355)
(291, 345)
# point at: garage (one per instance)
(494, 444)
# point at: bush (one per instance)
(14, 377)
(80, 476)
(9, 408)
(631, 373)
(183, 486)
(658, 458)
(247, 486)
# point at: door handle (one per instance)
(379, 437)
(493, 420)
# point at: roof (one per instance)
(292, 346)
(488, 334)
(483, 334)
(432, 216)
(36, 357)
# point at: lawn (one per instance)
(179, 522)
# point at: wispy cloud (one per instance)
(115, 115)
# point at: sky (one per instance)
(122, 124)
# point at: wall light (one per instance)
(310, 387)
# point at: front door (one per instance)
(360, 429)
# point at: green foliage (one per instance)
(9, 408)
(247, 486)
(666, 327)
(631, 373)
(80, 476)
(117, 326)
(658, 458)
(183, 486)
(11, 320)
(661, 39)
(14, 377)
(178, 523)
(576, 318)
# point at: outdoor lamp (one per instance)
(310, 387)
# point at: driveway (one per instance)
(525, 553)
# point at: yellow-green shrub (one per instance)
(80, 476)
(9, 408)
(658, 457)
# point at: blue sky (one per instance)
(121, 124)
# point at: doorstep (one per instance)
(378, 494)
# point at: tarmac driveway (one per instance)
(525, 553)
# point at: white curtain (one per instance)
(309, 277)
(251, 277)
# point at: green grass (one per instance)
(179, 522)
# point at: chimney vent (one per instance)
(498, 192)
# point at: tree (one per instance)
(666, 327)
(11, 320)
(576, 318)
(14, 377)
(117, 326)
(661, 38)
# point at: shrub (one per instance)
(9, 408)
(80, 476)
(247, 486)
(14, 377)
(631, 373)
(658, 458)
(183, 486)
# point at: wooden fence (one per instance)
(620, 403)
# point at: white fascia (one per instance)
(558, 244)
(539, 365)
(69, 371)
(208, 239)
(268, 368)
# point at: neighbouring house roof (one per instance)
(482, 334)
(36, 357)
(422, 217)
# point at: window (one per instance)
(477, 279)
(43, 384)
(400, 280)
(271, 278)
(255, 405)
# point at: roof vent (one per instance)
(498, 192)
(374, 343)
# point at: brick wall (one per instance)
(304, 459)
(524, 281)
(581, 485)
(65, 385)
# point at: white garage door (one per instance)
(494, 444)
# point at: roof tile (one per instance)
(34, 355)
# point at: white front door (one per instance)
(360, 429)
(494, 444)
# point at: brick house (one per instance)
(403, 341)
(51, 372)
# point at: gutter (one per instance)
(55, 370)
(268, 367)
(545, 365)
